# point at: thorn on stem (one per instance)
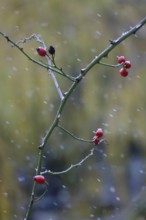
(7, 38)
(58, 118)
(41, 146)
(79, 77)
(65, 93)
(113, 42)
(82, 71)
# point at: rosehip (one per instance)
(127, 64)
(41, 51)
(121, 59)
(123, 72)
(51, 50)
(39, 179)
(99, 132)
(96, 140)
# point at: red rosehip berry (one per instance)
(123, 72)
(121, 59)
(99, 132)
(39, 179)
(41, 51)
(127, 64)
(96, 140)
(51, 50)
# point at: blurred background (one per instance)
(107, 183)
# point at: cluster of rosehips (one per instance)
(98, 134)
(43, 52)
(39, 179)
(126, 65)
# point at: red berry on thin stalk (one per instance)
(123, 72)
(96, 140)
(39, 179)
(99, 132)
(127, 64)
(41, 51)
(121, 59)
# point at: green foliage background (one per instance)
(79, 30)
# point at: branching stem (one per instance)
(40, 63)
(113, 44)
(64, 99)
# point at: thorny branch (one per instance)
(75, 82)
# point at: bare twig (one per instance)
(33, 36)
(72, 135)
(55, 80)
(36, 199)
(71, 166)
(110, 65)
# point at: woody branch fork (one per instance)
(52, 69)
